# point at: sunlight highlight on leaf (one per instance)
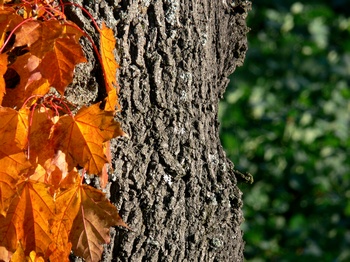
(110, 66)
(28, 34)
(83, 137)
(58, 65)
(3, 68)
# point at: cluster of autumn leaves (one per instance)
(45, 209)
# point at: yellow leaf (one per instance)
(34, 258)
(19, 255)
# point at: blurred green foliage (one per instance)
(286, 120)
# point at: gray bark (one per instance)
(172, 182)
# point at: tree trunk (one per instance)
(172, 182)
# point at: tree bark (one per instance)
(172, 181)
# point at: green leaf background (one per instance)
(285, 119)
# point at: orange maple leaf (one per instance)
(7, 191)
(111, 101)
(58, 65)
(65, 214)
(8, 21)
(13, 138)
(13, 162)
(40, 146)
(50, 31)
(28, 219)
(110, 66)
(87, 217)
(31, 81)
(49, 166)
(28, 34)
(13, 128)
(81, 137)
(3, 69)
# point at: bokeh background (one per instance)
(285, 119)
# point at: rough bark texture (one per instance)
(172, 182)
